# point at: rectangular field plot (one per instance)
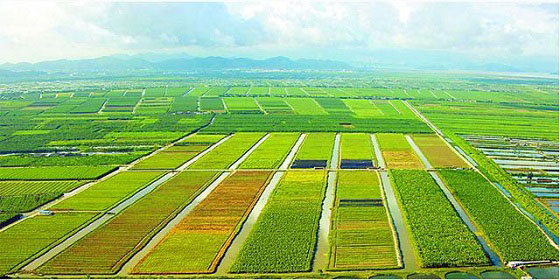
(8, 188)
(54, 172)
(184, 104)
(363, 107)
(333, 105)
(271, 152)
(242, 105)
(397, 152)
(361, 234)
(22, 241)
(305, 106)
(356, 146)
(199, 241)
(285, 234)
(437, 152)
(107, 248)
(440, 236)
(212, 104)
(228, 152)
(274, 105)
(316, 147)
(513, 236)
(176, 155)
(108, 192)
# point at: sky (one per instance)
(504, 32)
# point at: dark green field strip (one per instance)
(107, 248)
(361, 234)
(440, 237)
(199, 241)
(285, 234)
(22, 241)
(228, 123)
(9, 188)
(108, 192)
(271, 152)
(317, 146)
(511, 234)
(356, 146)
(54, 172)
(228, 152)
(213, 104)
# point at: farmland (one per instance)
(181, 176)
(284, 236)
(208, 229)
(361, 234)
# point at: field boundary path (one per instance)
(320, 259)
(405, 246)
(237, 243)
(111, 213)
(549, 235)
(158, 237)
(458, 208)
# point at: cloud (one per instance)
(41, 30)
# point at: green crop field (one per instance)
(168, 173)
(285, 233)
(361, 233)
(440, 237)
(271, 152)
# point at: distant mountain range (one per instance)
(177, 62)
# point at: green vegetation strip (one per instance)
(108, 192)
(285, 235)
(228, 152)
(440, 236)
(317, 146)
(26, 239)
(54, 172)
(116, 241)
(200, 240)
(271, 152)
(511, 234)
(361, 234)
(356, 146)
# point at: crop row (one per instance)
(199, 241)
(108, 192)
(29, 237)
(285, 234)
(36, 187)
(54, 172)
(437, 152)
(397, 152)
(107, 248)
(440, 236)
(228, 152)
(356, 146)
(271, 152)
(317, 146)
(361, 234)
(513, 236)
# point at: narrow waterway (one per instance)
(127, 267)
(405, 246)
(95, 224)
(232, 252)
(321, 254)
(460, 211)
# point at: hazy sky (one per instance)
(40, 30)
